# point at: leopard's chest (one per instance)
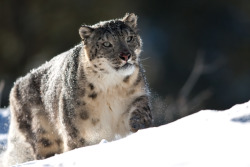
(107, 100)
(107, 116)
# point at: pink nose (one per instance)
(125, 56)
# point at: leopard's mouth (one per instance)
(126, 65)
(125, 69)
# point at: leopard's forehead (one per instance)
(114, 27)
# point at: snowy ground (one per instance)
(207, 138)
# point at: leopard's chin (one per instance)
(126, 69)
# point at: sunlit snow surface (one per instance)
(205, 139)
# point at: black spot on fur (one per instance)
(45, 142)
(82, 141)
(24, 120)
(126, 79)
(84, 115)
(73, 133)
(91, 86)
(41, 131)
(24, 124)
(131, 91)
(94, 121)
(93, 95)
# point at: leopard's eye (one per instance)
(107, 44)
(130, 38)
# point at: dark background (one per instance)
(175, 34)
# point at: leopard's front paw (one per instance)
(140, 120)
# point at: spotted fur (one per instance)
(95, 91)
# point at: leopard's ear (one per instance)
(130, 19)
(85, 31)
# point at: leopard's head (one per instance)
(115, 44)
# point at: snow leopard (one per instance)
(96, 90)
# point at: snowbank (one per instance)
(207, 138)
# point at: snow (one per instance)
(207, 138)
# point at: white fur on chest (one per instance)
(110, 107)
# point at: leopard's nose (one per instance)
(125, 55)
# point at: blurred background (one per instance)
(196, 53)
